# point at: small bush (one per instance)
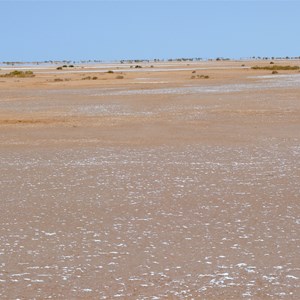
(271, 63)
(95, 78)
(203, 76)
(64, 66)
(71, 66)
(138, 67)
(59, 68)
(110, 72)
(274, 72)
(119, 77)
(243, 65)
(19, 74)
(276, 68)
(86, 78)
(58, 79)
(193, 77)
(194, 72)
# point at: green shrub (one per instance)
(276, 68)
(19, 74)
(203, 76)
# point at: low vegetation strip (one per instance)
(276, 68)
(19, 74)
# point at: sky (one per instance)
(115, 30)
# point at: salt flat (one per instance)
(131, 189)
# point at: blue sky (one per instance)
(112, 30)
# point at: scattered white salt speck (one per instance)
(241, 265)
(50, 233)
(21, 274)
(87, 290)
(291, 276)
(37, 281)
(269, 278)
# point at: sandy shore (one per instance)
(152, 186)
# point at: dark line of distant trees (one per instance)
(129, 61)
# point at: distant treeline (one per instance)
(129, 61)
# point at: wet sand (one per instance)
(155, 186)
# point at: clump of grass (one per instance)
(89, 78)
(276, 68)
(200, 77)
(271, 63)
(120, 77)
(203, 76)
(194, 72)
(58, 79)
(110, 72)
(59, 68)
(19, 74)
(138, 67)
(274, 72)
